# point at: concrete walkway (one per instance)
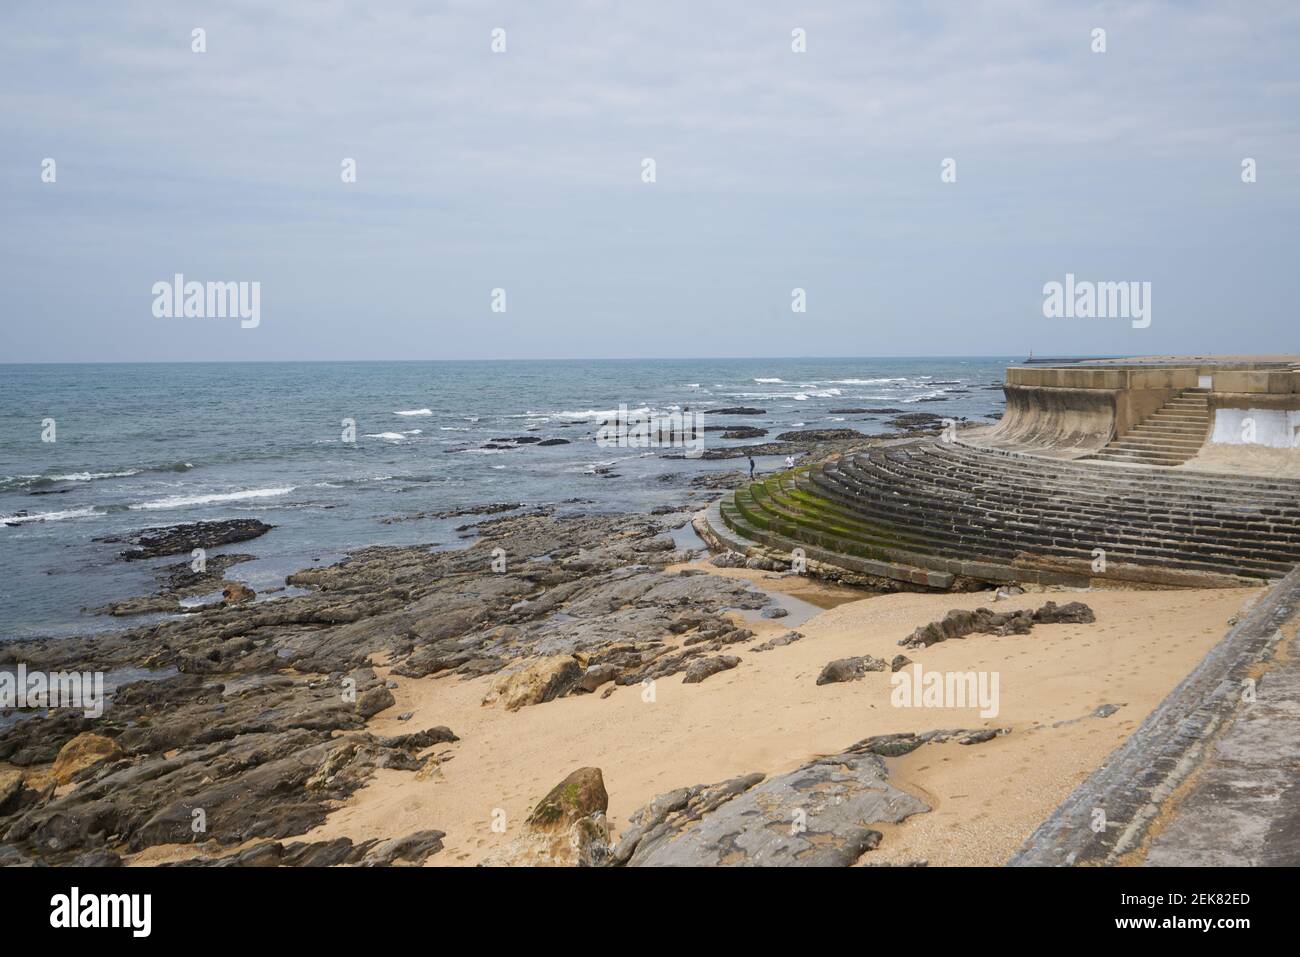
(1211, 777)
(1242, 806)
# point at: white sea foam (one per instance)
(768, 381)
(48, 516)
(601, 416)
(86, 476)
(415, 412)
(801, 396)
(183, 501)
(926, 395)
(866, 381)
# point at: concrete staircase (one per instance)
(1170, 436)
(939, 516)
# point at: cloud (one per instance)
(477, 169)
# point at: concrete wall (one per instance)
(1272, 428)
(1113, 377)
(1257, 382)
(1073, 410)
(1076, 410)
(1065, 420)
(1256, 407)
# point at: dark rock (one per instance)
(816, 816)
(849, 669)
(780, 641)
(413, 849)
(374, 701)
(244, 717)
(668, 814)
(568, 826)
(916, 420)
(577, 796)
(820, 435)
(153, 542)
(959, 622)
(419, 740)
(144, 605)
(707, 667)
(1073, 613)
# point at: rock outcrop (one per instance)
(959, 622)
(703, 668)
(173, 539)
(254, 713)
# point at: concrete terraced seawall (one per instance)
(931, 515)
(938, 516)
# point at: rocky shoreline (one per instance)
(244, 719)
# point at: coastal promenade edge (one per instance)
(1127, 807)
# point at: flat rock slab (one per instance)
(820, 815)
(174, 539)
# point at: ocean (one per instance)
(140, 445)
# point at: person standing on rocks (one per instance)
(751, 467)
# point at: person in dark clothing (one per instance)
(751, 467)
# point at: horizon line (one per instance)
(39, 362)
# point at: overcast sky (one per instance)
(522, 170)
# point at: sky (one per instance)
(523, 171)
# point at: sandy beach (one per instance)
(768, 715)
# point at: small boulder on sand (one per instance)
(702, 668)
(567, 828)
(849, 669)
(544, 680)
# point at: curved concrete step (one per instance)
(973, 514)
